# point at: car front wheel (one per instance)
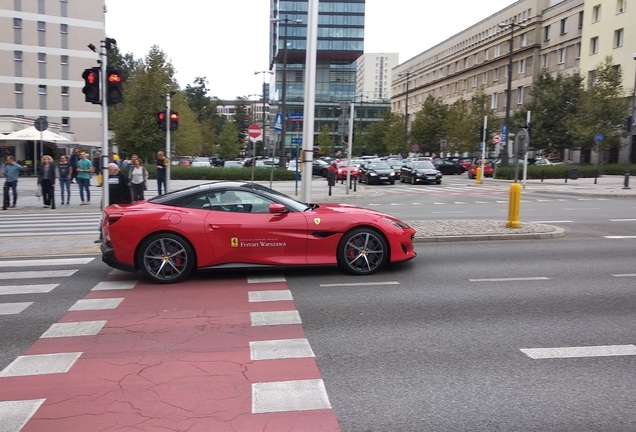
(165, 258)
(362, 251)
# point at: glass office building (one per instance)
(340, 43)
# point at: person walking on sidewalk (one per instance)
(65, 172)
(75, 157)
(162, 164)
(84, 170)
(46, 180)
(118, 190)
(11, 172)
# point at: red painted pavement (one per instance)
(170, 358)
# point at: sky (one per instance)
(227, 41)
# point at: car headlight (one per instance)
(372, 174)
(396, 223)
(391, 174)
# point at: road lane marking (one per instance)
(267, 296)
(625, 275)
(96, 304)
(42, 364)
(555, 221)
(73, 329)
(27, 289)
(275, 318)
(619, 237)
(622, 220)
(280, 349)
(38, 274)
(351, 284)
(577, 352)
(580, 208)
(538, 278)
(45, 262)
(284, 396)
(16, 414)
(265, 279)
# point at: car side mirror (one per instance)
(277, 208)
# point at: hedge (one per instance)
(260, 174)
(563, 171)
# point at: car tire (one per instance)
(413, 180)
(392, 181)
(438, 182)
(323, 173)
(165, 258)
(402, 179)
(362, 251)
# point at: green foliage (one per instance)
(562, 171)
(429, 126)
(229, 146)
(241, 119)
(260, 174)
(325, 142)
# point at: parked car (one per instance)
(254, 226)
(233, 164)
(420, 171)
(465, 163)
(472, 170)
(319, 168)
(341, 174)
(447, 167)
(396, 164)
(376, 172)
(543, 162)
(267, 163)
(200, 164)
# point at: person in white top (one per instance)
(138, 177)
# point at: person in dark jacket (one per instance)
(118, 189)
(65, 173)
(46, 180)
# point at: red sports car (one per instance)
(236, 224)
(472, 171)
(342, 170)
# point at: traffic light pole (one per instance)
(104, 157)
(168, 154)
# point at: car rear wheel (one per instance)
(413, 181)
(165, 258)
(362, 251)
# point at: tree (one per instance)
(394, 136)
(460, 128)
(241, 118)
(429, 126)
(325, 143)
(229, 145)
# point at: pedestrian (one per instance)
(11, 172)
(97, 167)
(84, 170)
(162, 164)
(64, 173)
(75, 157)
(46, 181)
(138, 177)
(118, 190)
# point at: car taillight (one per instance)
(112, 218)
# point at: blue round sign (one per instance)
(598, 138)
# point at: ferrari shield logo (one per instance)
(234, 242)
(317, 221)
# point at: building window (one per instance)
(561, 55)
(594, 45)
(497, 50)
(495, 77)
(64, 60)
(620, 6)
(618, 38)
(519, 95)
(577, 50)
(485, 78)
(522, 66)
(41, 26)
(66, 123)
(564, 26)
(493, 101)
(42, 89)
(596, 13)
(19, 88)
(64, 90)
(524, 39)
(17, 55)
(64, 28)
(581, 20)
(41, 57)
(545, 60)
(475, 81)
(546, 33)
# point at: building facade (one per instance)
(374, 75)
(558, 36)
(43, 52)
(340, 43)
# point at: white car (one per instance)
(201, 164)
(233, 164)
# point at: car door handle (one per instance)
(214, 227)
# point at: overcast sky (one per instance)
(227, 40)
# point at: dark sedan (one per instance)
(376, 172)
(420, 171)
(447, 167)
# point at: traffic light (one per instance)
(174, 121)
(91, 85)
(161, 120)
(114, 88)
(483, 137)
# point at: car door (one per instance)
(407, 171)
(241, 229)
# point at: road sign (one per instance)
(496, 139)
(41, 124)
(292, 117)
(415, 148)
(254, 132)
(599, 138)
(297, 141)
(278, 123)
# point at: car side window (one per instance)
(197, 202)
(240, 202)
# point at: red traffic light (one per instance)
(174, 116)
(161, 116)
(91, 78)
(114, 78)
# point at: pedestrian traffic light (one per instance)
(91, 85)
(174, 121)
(161, 120)
(114, 88)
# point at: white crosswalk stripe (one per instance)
(23, 225)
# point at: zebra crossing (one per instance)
(48, 224)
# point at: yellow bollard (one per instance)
(513, 206)
(478, 175)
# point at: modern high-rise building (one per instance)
(43, 52)
(374, 74)
(340, 43)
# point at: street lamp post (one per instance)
(630, 137)
(505, 130)
(407, 74)
(282, 152)
(264, 107)
(360, 114)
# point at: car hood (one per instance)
(381, 171)
(346, 208)
(426, 171)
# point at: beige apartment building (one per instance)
(374, 75)
(566, 36)
(43, 52)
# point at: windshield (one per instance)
(423, 165)
(379, 165)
